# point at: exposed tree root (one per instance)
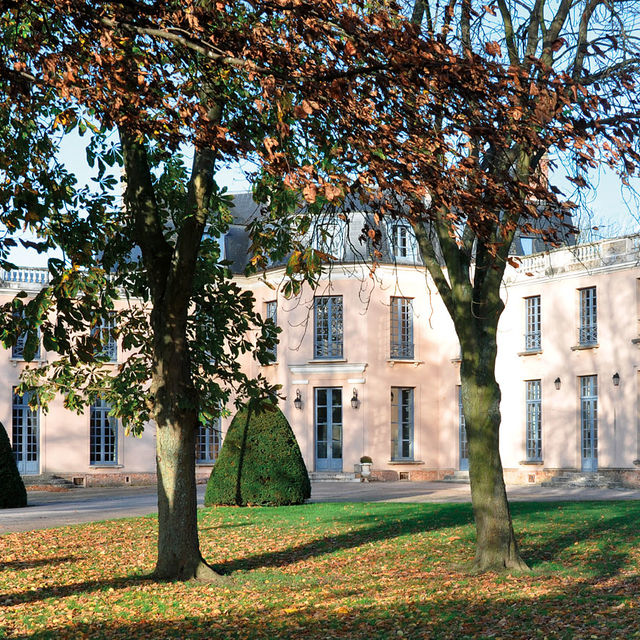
(500, 563)
(205, 574)
(199, 571)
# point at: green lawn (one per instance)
(350, 571)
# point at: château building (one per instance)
(369, 365)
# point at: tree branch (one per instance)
(430, 258)
(141, 202)
(465, 25)
(536, 20)
(512, 48)
(609, 71)
(554, 31)
(211, 53)
(583, 32)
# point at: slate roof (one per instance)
(356, 248)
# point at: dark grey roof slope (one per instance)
(245, 208)
(357, 248)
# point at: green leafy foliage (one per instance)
(260, 463)
(12, 491)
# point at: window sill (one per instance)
(106, 465)
(14, 361)
(533, 352)
(321, 360)
(532, 463)
(584, 347)
(393, 361)
(401, 462)
(204, 464)
(271, 364)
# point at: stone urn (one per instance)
(365, 468)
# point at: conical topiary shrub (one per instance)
(12, 491)
(268, 470)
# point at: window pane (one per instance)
(208, 442)
(272, 314)
(589, 416)
(402, 240)
(588, 331)
(102, 434)
(401, 328)
(328, 333)
(533, 325)
(104, 332)
(401, 423)
(533, 420)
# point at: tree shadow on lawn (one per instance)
(75, 588)
(16, 565)
(230, 525)
(537, 548)
(577, 611)
(608, 562)
(384, 528)
(607, 536)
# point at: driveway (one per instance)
(48, 510)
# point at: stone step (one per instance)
(577, 479)
(47, 480)
(332, 476)
(461, 477)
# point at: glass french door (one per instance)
(462, 430)
(328, 428)
(25, 435)
(589, 422)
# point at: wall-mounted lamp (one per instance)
(297, 403)
(557, 382)
(355, 403)
(616, 379)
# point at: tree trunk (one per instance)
(176, 416)
(179, 556)
(496, 546)
(170, 271)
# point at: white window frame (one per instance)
(328, 327)
(208, 442)
(401, 329)
(589, 416)
(103, 435)
(402, 423)
(533, 407)
(533, 323)
(402, 239)
(329, 237)
(271, 313)
(105, 330)
(17, 350)
(25, 432)
(588, 329)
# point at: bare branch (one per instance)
(512, 48)
(554, 31)
(536, 20)
(583, 31)
(175, 36)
